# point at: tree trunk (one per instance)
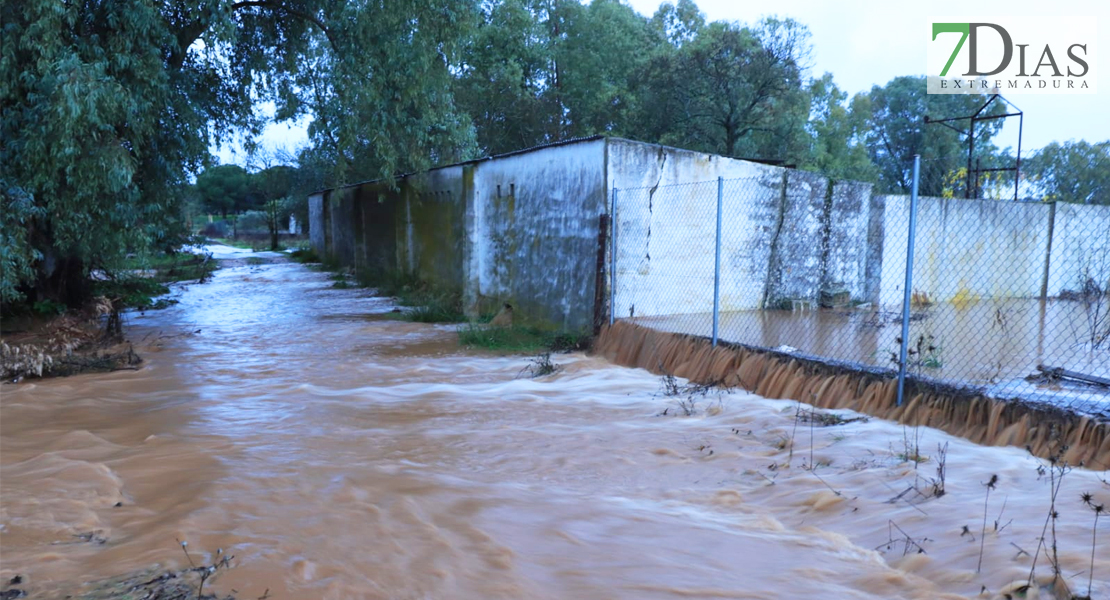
(67, 283)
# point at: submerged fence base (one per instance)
(1046, 431)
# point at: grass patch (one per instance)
(446, 308)
(304, 254)
(133, 292)
(340, 281)
(520, 339)
(234, 243)
(429, 304)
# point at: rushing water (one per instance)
(341, 453)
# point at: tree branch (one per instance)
(189, 34)
(290, 11)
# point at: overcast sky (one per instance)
(869, 42)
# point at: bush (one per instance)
(253, 221)
(436, 308)
(305, 254)
(216, 229)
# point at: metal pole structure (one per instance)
(970, 151)
(907, 298)
(1017, 164)
(613, 260)
(717, 262)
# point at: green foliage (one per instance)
(737, 91)
(429, 304)
(225, 189)
(839, 130)
(520, 339)
(678, 23)
(129, 291)
(108, 106)
(252, 221)
(436, 308)
(897, 132)
(305, 254)
(1071, 172)
(17, 255)
(48, 307)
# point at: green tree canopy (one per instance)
(733, 90)
(109, 105)
(897, 131)
(1071, 172)
(225, 189)
(838, 130)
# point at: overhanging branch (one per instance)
(291, 12)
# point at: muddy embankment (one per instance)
(1046, 431)
(85, 341)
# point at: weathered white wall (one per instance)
(786, 235)
(797, 252)
(1080, 248)
(533, 232)
(846, 253)
(966, 249)
(431, 226)
(666, 211)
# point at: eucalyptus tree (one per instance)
(1072, 171)
(897, 131)
(108, 106)
(732, 89)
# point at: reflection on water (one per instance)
(993, 343)
(341, 453)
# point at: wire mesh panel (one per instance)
(805, 277)
(1009, 298)
(665, 246)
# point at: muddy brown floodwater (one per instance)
(338, 453)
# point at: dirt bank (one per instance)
(83, 341)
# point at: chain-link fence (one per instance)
(1009, 298)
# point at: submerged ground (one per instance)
(340, 453)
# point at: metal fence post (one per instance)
(717, 262)
(613, 260)
(907, 298)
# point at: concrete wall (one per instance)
(1080, 248)
(534, 236)
(786, 235)
(796, 255)
(317, 224)
(520, 228)
(666, 211)
(432, 227)
(345, 221)
(523, 227)
(965, 249)
(847, 222)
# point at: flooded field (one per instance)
(338, 452)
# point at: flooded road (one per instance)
(340, 453)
